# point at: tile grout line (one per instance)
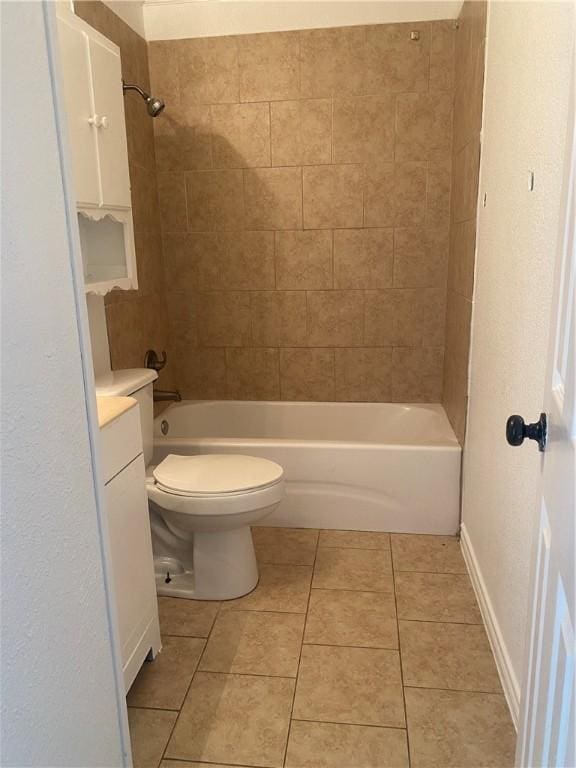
(400, 655)
(301, 647)
(163, 756)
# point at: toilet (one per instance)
(201, 507)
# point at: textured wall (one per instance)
(62, 703)
(527, 92)
(469, 86)
(304, 184)
(137, 320)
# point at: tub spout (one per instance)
(161, 395)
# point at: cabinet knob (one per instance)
(103, 122)
(98, 121)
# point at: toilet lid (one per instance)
(215, 473)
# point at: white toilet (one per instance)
(201, 507)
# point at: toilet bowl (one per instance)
(201, 507)
(201, 510)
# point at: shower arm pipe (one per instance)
(133, 87)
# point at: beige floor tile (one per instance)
(456, 729)
(253, 643)
(236, 719)
(437, 554)
(285, 546)
(436, 597)
(186, 764)
(328, 745)
(454, 656)
(150, 730)
(361, 569)
(361, 686)
(191, 618)
(355, 539)
(162, 683)
(342, 617)
(283, 588)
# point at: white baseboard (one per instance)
(508, 679)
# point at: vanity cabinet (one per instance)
(130, 540)
(94, 103)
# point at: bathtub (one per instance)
(349, 466)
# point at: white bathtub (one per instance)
(351, 466)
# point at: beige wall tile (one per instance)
(269, 66)
(332, 61)
(438, 189)
(182, 317)
(253, 374)
(304, 260)
(164, 78)
(466, 169)
(395, 194)
(182, 254)
(241, 135)
(379, 314)
(279, 318)
(172, 201)
(420, 257)
(417, 374)
(273, 198)
(224, 319)
(208, 70)
(419, 317)
(333, 196)
(335, 318)
(202, 373)
(364, 129)
(423, 126)
(182, 138)
(301, 132)
(307, 374)
(236, 261)
(363, 258)
(214, 200)
(442, 47)
(363, 375)
(394, 62)
(462, 258)
(458, 322)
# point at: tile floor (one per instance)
(356, 650)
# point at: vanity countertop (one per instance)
(109, 408)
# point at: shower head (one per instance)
(153, 105)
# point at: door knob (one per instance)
(517, 430)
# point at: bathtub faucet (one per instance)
(161, 395)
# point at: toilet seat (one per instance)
(215, 475)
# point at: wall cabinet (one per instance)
(94, 102)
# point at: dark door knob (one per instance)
(517, 430)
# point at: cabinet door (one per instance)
(131, 551)
(109, 106)
(78, 98)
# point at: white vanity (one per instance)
(129, 532)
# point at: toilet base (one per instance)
(224, 568)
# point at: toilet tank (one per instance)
(136, 383)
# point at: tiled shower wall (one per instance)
(304, 188)
(136, 320)
(469, 77)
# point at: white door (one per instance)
(109, 106)
(78, 97)
(547, 723)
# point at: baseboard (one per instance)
(508, 679)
